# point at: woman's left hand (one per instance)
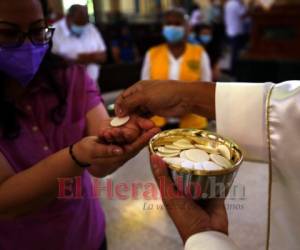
(125, 134)
(132, 138)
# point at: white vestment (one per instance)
(264, 119)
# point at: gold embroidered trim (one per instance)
(270, 164)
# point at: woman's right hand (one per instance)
(90, 150)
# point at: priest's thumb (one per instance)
(160, 170)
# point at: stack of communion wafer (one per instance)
(190, 155)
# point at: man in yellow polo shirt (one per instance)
(177, 60)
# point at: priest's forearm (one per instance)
(200, 97)
(168, 98)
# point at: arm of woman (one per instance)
(96, 118)
(28, 190)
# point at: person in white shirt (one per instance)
(79, 41)
(235, 12)
(196, 16)
(264, 119)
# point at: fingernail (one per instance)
(119, 111)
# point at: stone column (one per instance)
(115, 5)
(98, 10)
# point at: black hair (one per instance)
(176, 11)
(9, 113)
(198, 28)
(74, 8)
(194, 7)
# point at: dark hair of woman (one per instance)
(9, 113)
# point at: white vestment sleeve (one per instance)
(145, 75)
(210, 240)
(241, 116)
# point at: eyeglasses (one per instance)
(14, 38)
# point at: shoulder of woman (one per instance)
(73, 77)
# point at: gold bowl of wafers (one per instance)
(202, 164)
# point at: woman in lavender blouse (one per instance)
(53, 125)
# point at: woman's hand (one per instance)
(126, 134)
(167, 98)
(107, 158)
(189, 217)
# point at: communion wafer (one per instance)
(182, 146)
(196, 155)
(210, 166)
(171, 146)
(224, 151)
(183, 156)
(118, 122)
(207, 148)
(198, 166)
(164, 155)
(220, 160)
(165, 150)
(173, 160)
(192, 155)
(187, 164)
(183, 143)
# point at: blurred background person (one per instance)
(196, 15)
(204, 36)
(235, 13)
(177, 60)
(124, 49)
(79, 41)
(215, 18)
(215, 12)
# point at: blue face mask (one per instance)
(205, 39)
(173, 34)
(77, 30)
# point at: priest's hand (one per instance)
(167, 98)
(189, 217)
